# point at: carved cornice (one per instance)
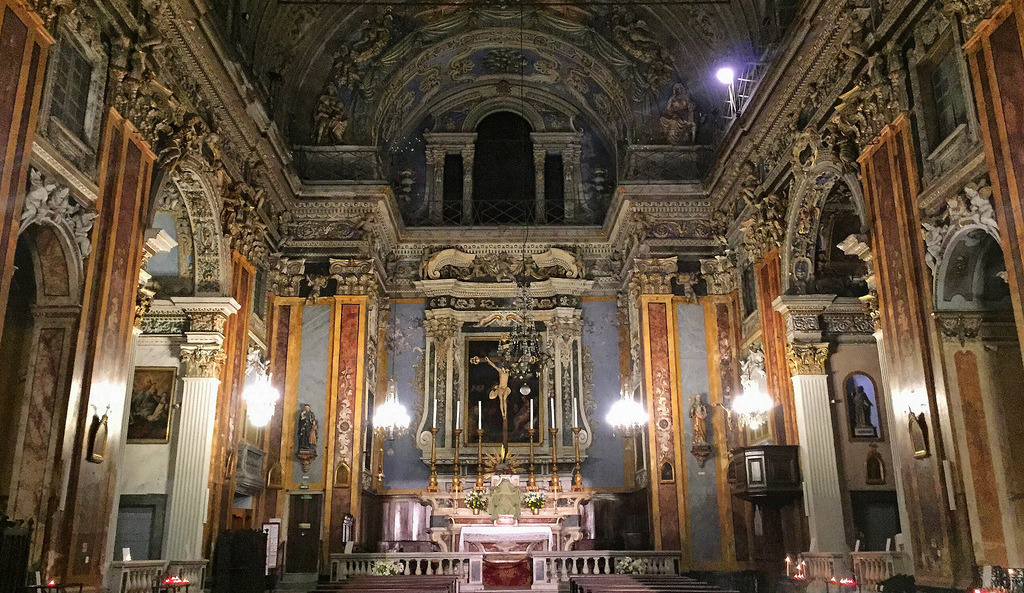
(802, 314)
(207, 316)
(807, 359)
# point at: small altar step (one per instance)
(620, 583)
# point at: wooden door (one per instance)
(302, 548)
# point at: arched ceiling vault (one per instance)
(633, 54)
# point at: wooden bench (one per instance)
(390, 584)
(619, 583)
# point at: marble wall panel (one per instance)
(406, 341)
(313, 363)
(604, 465)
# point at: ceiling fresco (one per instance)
(644, 72)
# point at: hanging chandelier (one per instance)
(627, 416)
(391, 419)
(522, 351)
(752, 407)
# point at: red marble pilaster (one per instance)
(24, 43)
(343, 475)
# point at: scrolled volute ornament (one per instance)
(719, 273)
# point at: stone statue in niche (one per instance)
(678, 122)
(306, 435)
(861, 404)
(918, 425)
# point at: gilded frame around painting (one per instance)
(150, 405)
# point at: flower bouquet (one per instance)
(388, 567)
(476, 500)
(627, 565)
(533, 501)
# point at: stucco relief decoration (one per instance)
(765, 229)
(205, 235)
(634, 36)
(870, 105)
(807, 359)
(500, 267)
(959, 327)
(663, 408)
(242, 221)
(752, 366)
(52, 203)
(970, 208)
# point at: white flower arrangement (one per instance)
(627, 565)
(476, 500)
(533, 500)
(388, 567)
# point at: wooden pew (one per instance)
(392, 584)
(639, 584)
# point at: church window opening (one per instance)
(950, 110)
(451, 200)
(503, 171)
(70, 98)
(554, 189)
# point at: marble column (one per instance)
(435, 184)
(822, 497)
(202, 356)
(806, 356)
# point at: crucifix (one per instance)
(500, 391)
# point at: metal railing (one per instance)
(337, 163)
(662, 163)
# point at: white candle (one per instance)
(551, 420)
(458, 413)
(479, 416)
(575, 414)
(435, 413)
(531, 413)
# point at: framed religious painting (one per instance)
(496, 401)
(149, 414)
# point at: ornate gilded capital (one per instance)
(202, 361)
(653, 276)
(719, 273)
(807, 359)
(441, 328)
(286, 278)
(959, 327)
(766, 229)
(207, 316)
(354, 276)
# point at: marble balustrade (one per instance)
(139, 576)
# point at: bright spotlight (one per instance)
(725, 75)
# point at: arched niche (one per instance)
(967, 277)
(191, 195)
(37, 353)
(810, 196)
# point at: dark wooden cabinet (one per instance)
(766, 473)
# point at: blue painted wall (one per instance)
(312, 390)
(702, 494)
(406, 341)
(603, 468)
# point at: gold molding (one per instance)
(806, 359)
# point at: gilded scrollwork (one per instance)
(807, 359)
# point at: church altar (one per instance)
(456, 528)
(505, 538)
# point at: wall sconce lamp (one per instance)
(96, 439)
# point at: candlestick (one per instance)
(575, 414)
(531, 413)
(479, 461)
(531, 484)
(456, 476)
(556, 484)
(435, 413)
(432, 484)
(577, 478)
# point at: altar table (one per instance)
(506, 538)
